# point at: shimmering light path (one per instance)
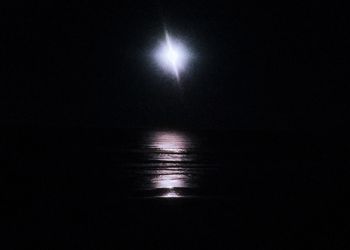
(169, 164)
(173, 149)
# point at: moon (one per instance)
(172, 56)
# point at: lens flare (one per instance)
(172, 56)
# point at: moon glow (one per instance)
(172, 56)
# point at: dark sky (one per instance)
(258, 66)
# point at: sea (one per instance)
(173, 189)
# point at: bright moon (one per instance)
(172, 56)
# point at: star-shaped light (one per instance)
(172, 56)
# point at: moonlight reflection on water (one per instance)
(170, 142)
(170, 154)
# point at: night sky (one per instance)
(258, 65)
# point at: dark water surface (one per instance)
(167, 164)
(169, 189)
